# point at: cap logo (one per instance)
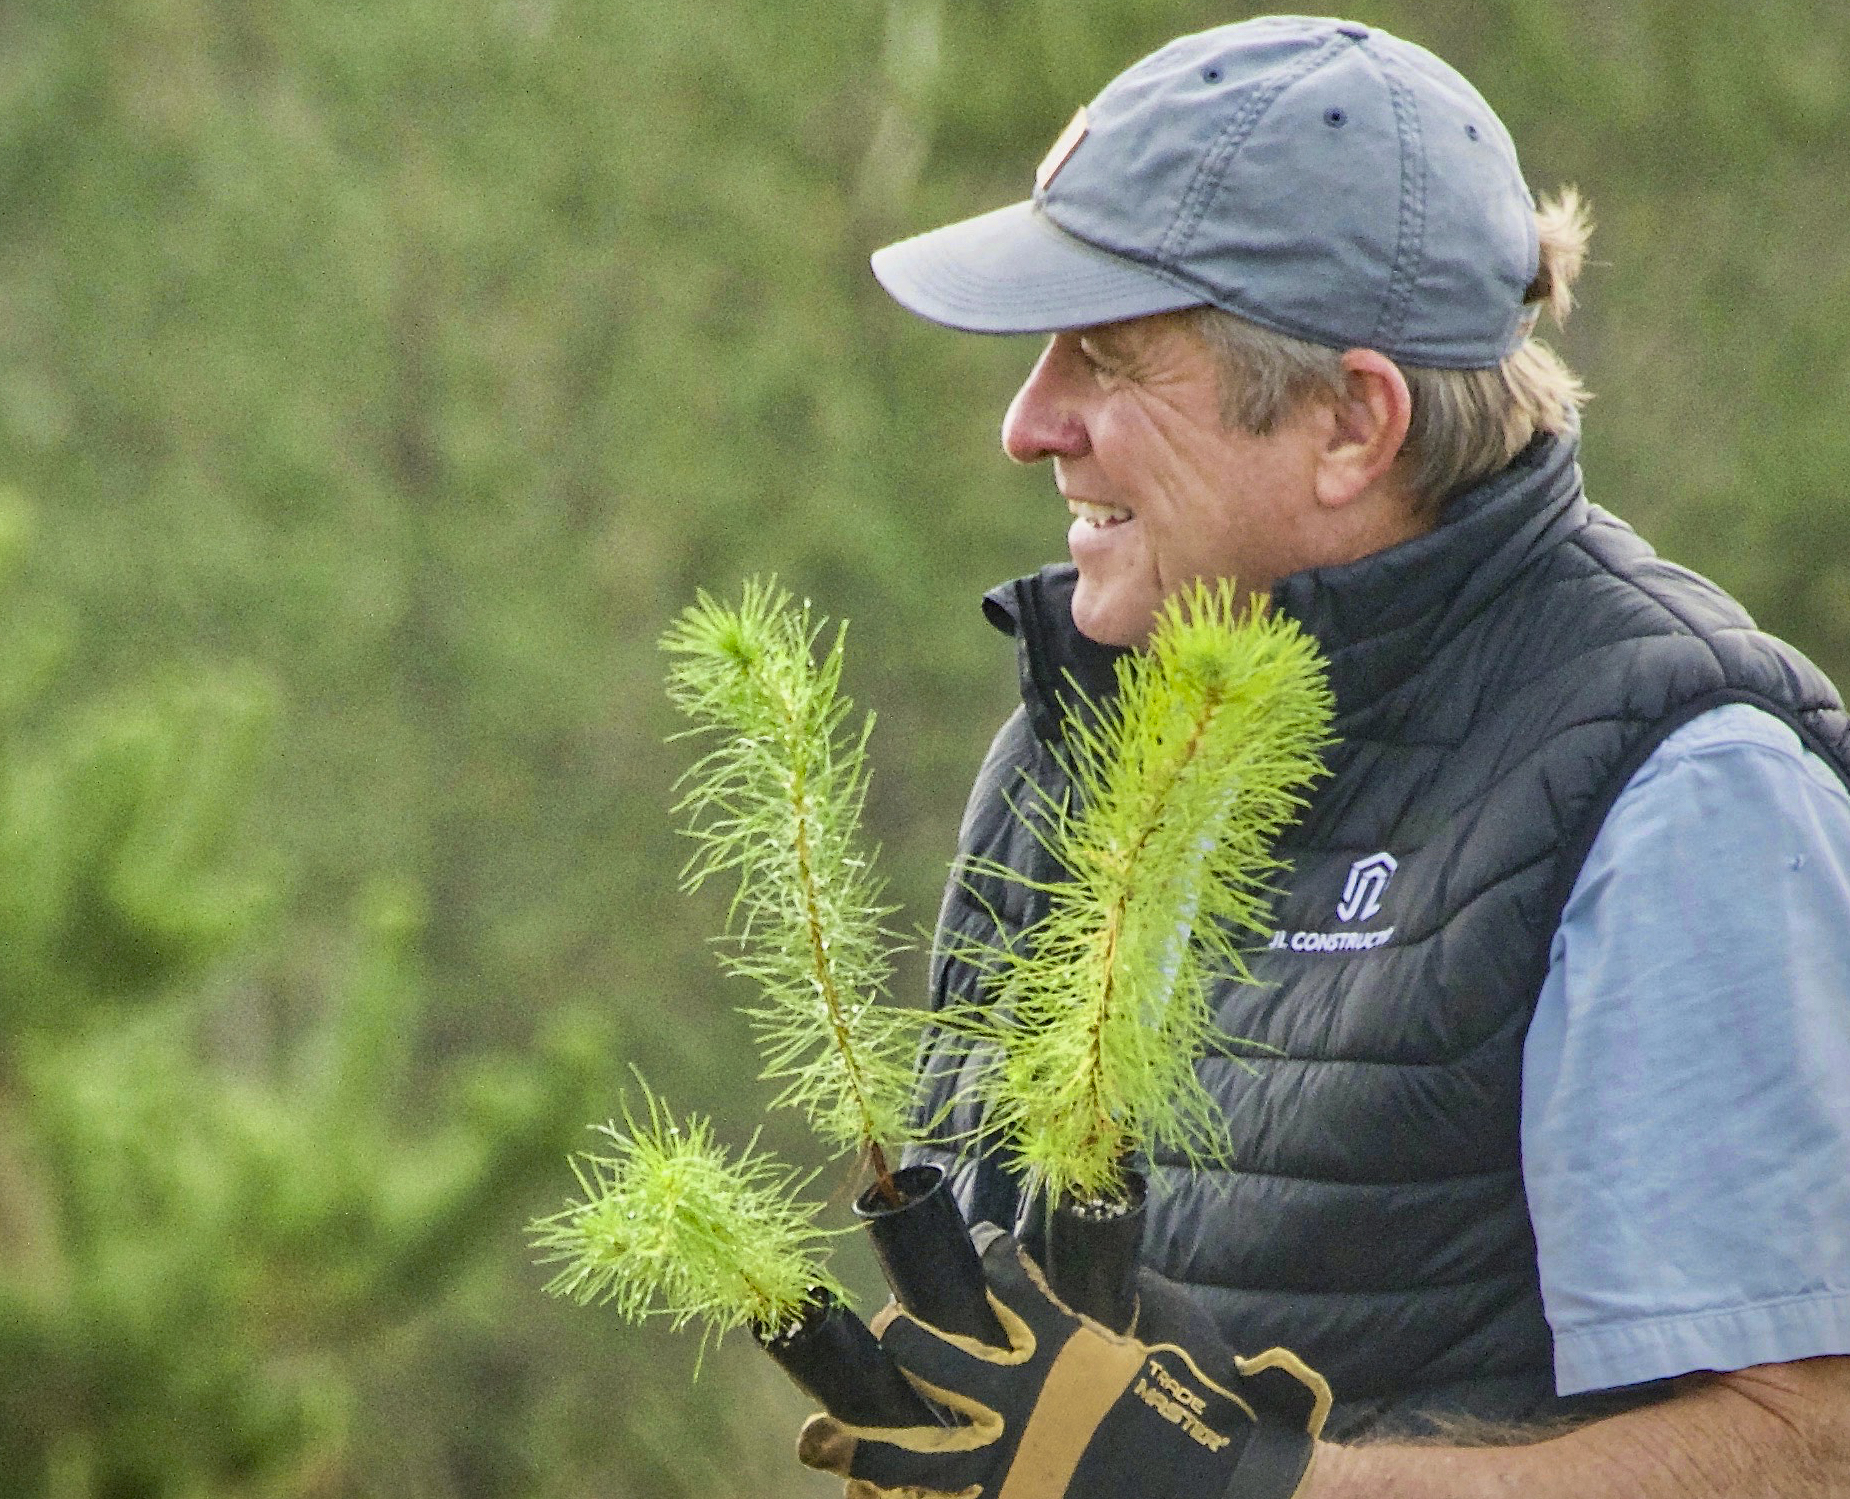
(1064, 147)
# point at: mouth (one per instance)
(1097, 515)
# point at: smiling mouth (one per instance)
(1095, 514)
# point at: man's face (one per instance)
(1160, 490)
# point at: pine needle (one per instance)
(671, 1226)
(776, 803)
(1181, 787)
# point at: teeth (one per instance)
(1095, 514)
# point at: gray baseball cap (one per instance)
(1321, 178)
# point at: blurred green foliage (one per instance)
(376, 381)
(209, 1210)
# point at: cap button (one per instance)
(1353, 30)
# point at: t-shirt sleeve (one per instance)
(1686, 1079)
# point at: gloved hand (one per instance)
(1071, 1409)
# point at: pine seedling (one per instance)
(776, 804)
(1180, 787)
(670, 1225)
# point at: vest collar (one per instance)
(1062, 671)
(1377, 619)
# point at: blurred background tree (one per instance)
(376, 382)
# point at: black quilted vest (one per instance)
(1497, 681)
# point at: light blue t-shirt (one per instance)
(1686, 1079)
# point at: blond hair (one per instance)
(1466, 424)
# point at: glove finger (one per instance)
(1287, 1387)
(826, 1445)
(829, 1445)
(883, 1319)
(887, 1469)
(882, 1470)
(905, 1462)
(985, 1233)
(941, 1359)
(1015, 1279)
(1168, 1313)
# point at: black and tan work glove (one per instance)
(1070, 1409)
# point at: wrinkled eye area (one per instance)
(1095, 358)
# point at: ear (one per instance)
(1366, 430)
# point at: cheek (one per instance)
(1210, 543)
(1161, 479)
(1197, 500)
(1239, 526)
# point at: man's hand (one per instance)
(1069, 1408)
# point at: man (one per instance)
(1555, 1142)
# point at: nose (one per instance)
(1043, 420)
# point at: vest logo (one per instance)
(1367, 883)
(1361, 899)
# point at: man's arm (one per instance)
(1777, 1431)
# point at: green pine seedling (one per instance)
(671, 1225)
(776, 803)
(1181, 786)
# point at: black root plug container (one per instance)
(926, 1254)
(835, 1360)
(1088, 1250)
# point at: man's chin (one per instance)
(1108, 618)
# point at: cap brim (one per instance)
(1015, 271)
